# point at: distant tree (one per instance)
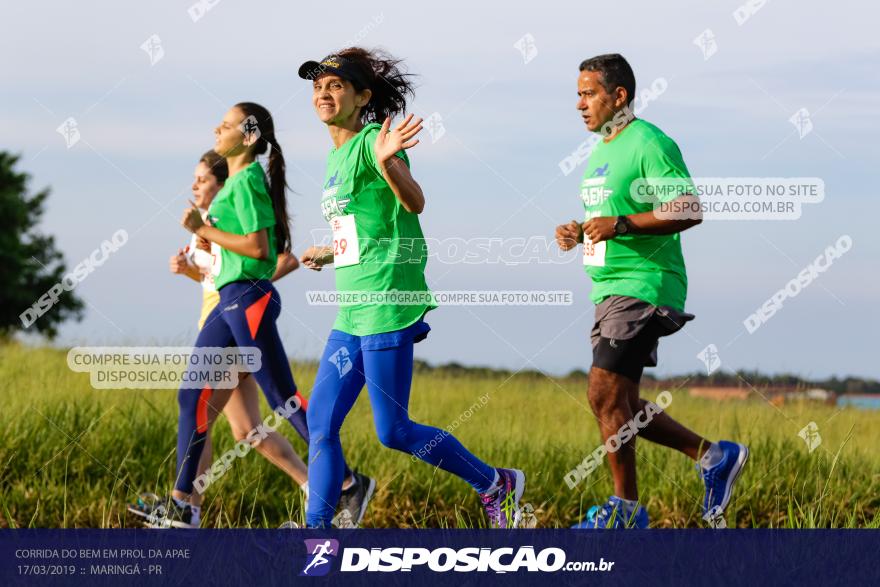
(29, 263)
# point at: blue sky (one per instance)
(495, 171)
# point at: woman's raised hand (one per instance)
(389, 143)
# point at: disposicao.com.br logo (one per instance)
(442, 560)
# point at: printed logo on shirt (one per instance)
(332, 181)
(332, 186)
(331, 204)
(593, 190)
(332, 207)
(601, 171)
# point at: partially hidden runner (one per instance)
(247, 249)
(372, 204)
(635, 262)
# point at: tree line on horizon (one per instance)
(739, 378)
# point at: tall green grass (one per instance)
(72, 456)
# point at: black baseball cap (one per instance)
(335, 64)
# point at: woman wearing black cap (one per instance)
(372, 204)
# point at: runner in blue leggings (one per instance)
(249, 222)
(372, 204)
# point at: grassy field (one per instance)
(72, 456)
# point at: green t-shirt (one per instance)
(244, 206)
(392, 252)
(647, 267)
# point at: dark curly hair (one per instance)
(390, 86)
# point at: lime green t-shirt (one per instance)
(244, 206)
(647, 267)
(392, 252)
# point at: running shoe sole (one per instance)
(139, 512)
(741, 459)
(737, 470)
(367, 497)
(519, 488)
(160, 525)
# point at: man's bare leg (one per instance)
(664, 430)
(609, 395)
(615, 400)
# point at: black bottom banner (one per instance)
(401, 557)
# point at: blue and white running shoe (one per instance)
(614, 514)
(719, 481)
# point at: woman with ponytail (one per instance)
(373, 204)
(248, 223)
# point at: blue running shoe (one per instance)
(719, 481)
(502, 501)
(614, 515)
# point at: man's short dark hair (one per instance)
(615, 71)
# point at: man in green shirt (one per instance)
(633, 257)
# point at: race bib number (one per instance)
(216, 260)
(346, 249)
(594, 254)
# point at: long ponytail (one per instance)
(277, 169)
(277, 185)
